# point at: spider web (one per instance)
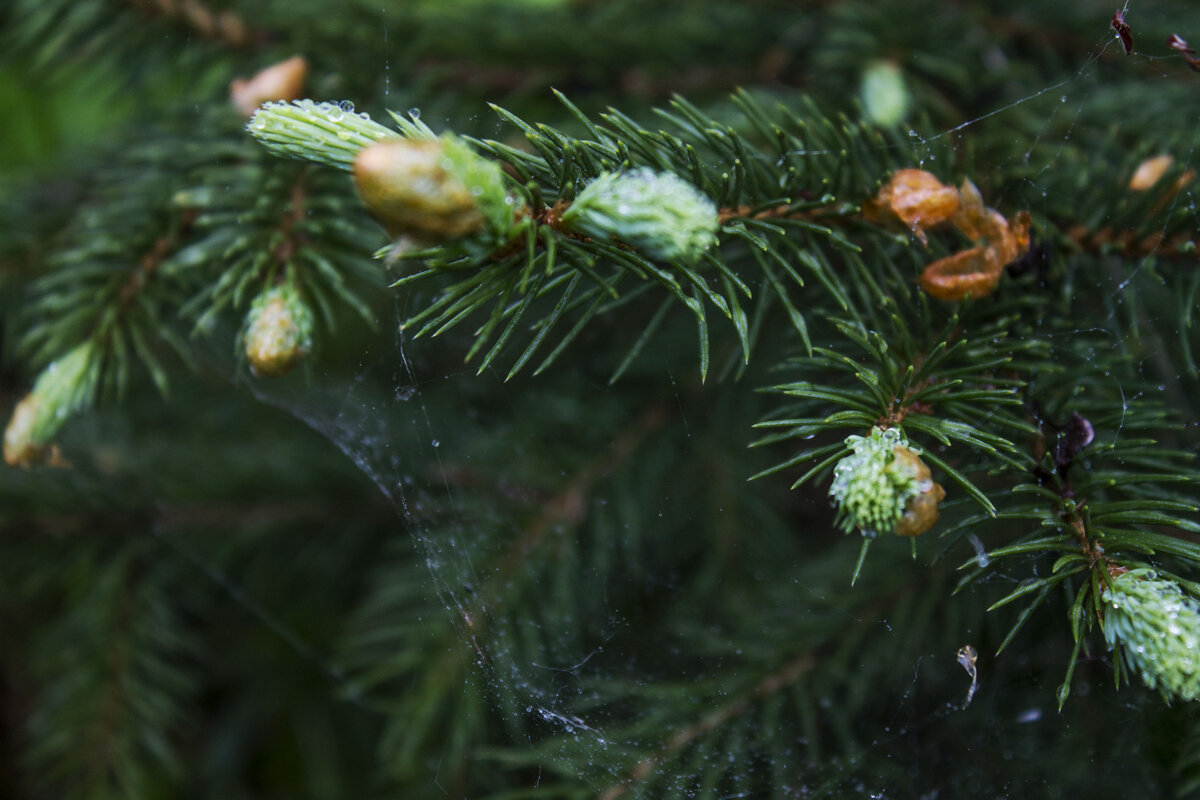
(404, 422)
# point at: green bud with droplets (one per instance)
(1157, 628)
(324, 133)
(872, 486)
(660, 214)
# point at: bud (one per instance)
(1157, 628)
(1149, 172)
(884, 486)
(20, 448)
(660, 214)
(282, 81)
(279, 330)
(885, 98)
(62, 388)
(434, 191)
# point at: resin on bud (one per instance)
(434, 190)
(62, 388)
(660, 214)
(279, 330)
(884, 486)
(1157, 628)
(282, 81)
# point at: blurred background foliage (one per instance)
(226, 595)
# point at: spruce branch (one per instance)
(579, 229)
(114, 727)
(274, 224)
(105, 300)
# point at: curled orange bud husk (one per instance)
(971, 272)
(1008, 240)
(282, 81)
(916, 198)
(921, 512)
(1149, 172)
(922, 201)
(973, 218)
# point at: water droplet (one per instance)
(335, 114)
(346, 106)
(436, 443)
(414, 113)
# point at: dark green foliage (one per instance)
(548, 574)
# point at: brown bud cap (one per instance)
(921, 511)
(20, 450)
(282, 81)
(413, 188)
(1149, 172)
(966, 272)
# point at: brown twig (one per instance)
(776, 681)
(1127, 243)
(224, 26)
(287, 226)
(568, 505)
(150, 261)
